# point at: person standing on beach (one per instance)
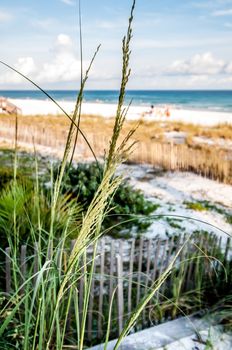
(167, 112)
(151, 110)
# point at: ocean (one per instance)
(220, 101)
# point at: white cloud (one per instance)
(68, 2)
(24, 65)
(63, 41)
(63, 67)
(200, 64)
(221, 13)
(228, 68)
(5, 16)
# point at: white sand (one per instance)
(172, 190)
(35, 107)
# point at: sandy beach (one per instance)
(45, 107)
(172, 191)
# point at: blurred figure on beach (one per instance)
(149, 112)
(158, 112)
(167, 112)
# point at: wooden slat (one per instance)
(215, 245)
(190, 272)
(148, 273)
(212, 263)
(101, 287)
(140, 260)
(130, 277)
(198, 262)
(171, 245)
(81, 286)
(64, 262)
(206, 247)
(164, 255)
(218, 265)
(156, 257)
(178, 246)
(90, 311)
(184, 257)
(155, 262)
(120, 293)
(167, 261)
(111, 276)
(162, 266)
(226, 250)
(148, 277)
(8, 270)
(112, 262)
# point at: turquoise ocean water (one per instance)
(194, 100)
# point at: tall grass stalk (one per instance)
(68, 146)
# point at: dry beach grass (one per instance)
(204, 150)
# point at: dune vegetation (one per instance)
(46, 206)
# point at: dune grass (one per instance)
(147, 129)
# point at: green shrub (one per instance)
(27, 207)
(198, 206)
(12, 338)
(127, 204)
(229, 218)
(6, 176)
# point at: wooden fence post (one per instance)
(90, 311)
(148, 268)
(130, 277)
(120, 293)
(101, 287)
(140, 259)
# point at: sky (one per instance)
(176, 44)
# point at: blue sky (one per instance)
(177, 44)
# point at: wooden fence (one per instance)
(132, 266)
(214, 164)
